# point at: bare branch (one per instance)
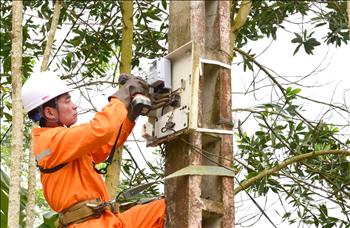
(277, 168)
(51, 36)
(348, 9)
(239, 20)
(64, 40)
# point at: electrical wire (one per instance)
(143, 156)
(133, 159)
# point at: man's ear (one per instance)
(49, 113)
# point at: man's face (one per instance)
(67, 114)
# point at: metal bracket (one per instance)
(201, 170)
(215, 131)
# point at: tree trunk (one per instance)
(30, 215)
(112, 178)
(127, 35)
(17, 118)
(31, 176)
(113, 173)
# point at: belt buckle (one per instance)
(96, 208)
(114, 207)
(92, 205)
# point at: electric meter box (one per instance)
(179, 75)
(159, 72)
(180, 72)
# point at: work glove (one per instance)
(132, 85)
(140, 105)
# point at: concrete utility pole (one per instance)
(203, 201)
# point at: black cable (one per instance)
(151, 167)
(256, 204)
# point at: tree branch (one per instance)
(295, 159)
(239, 21)
(64, 40)
(348, 9)
(274, 80)
(51, 36)
(250, 58)
(31, 160)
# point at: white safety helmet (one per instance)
(40, 88)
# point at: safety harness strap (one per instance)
(111, 155)
(85, 210)
(51, 170)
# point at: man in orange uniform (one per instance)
(66, 154)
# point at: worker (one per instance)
(66, 154)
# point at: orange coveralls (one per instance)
(80, 146)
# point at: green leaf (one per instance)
(330, 225)
(313, 42)
(49, 220)
(295, 91)
(297, 49)
(286, 215)
(323, 210)
(298, 39)
(260, 133)
(164, 4)
(300, 127)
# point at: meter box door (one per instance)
(184, 80)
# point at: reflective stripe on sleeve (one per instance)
(43, 154)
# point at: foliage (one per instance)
(49, 217)
(5, 182)
(267, 17)
(90, 50)
(309, 189)
(134, 175)
(88, 57)
(49, 220)
(283, 135)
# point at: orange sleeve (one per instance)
(102, 154)
(67, 144)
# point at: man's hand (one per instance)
(132, 86)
